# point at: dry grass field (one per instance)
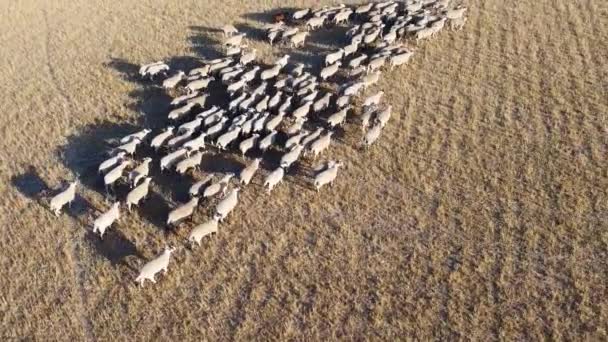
(481, 213)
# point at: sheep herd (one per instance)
(282, 102)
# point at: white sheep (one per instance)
(202, 230)
(111, 162)
(177, 113)
(158, 141)
(180, 100)
(456, 13)
(247, 173)
(248, 144)
(295, 139)
(218, 187)
(195, 144)
(248, 57)
(113, 175)
(174, 80)
(352, 89)
(291, 157)
(270, 73)
(160, 263)
(201, 71)
(138, 135)
(143, 68)
(301, 14)
(329, 70)
(282, 62)
(201, 84)
(67, 196)
(338, 117)
(286, 104)
(262, 105)
(384, 115)
(130, 147)
(267, 141)
(227, 204)
(343, 101)
(315, 22)
(319, 145)
(140, 172)
(376, 63)
(298, 39)
(225, 139)
(373, 100)
(217, 127)
(229, 30)
(274, 178)
(303, 110)
(370, 79)
(195, 189)
(235, 40)
(138, 193)
(194, 160)
(372, 135)
(172, 158)
(311, 137)
(367, 116)
(328, 175)
(183, 211)
(105, 220)
(356, 62)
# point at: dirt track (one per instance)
(481, 213)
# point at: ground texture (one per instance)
(481, 213)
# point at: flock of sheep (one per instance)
(268, 102)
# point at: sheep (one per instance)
(390, 37)
(236, 86)
(160, 263)
(301, 14)
(311, 137)
(111, 177)
(195, 144)
(198, 100)
(180, 100)
(67, 196)
(180, 139)
(362, 9)
(338, 117)
(296, 126)
(229, 75)
(181, 212)
(371, 37)
(172, 158)
(315, 23)
(303, 110)
(272, 36)
(289, 32)
(217, 127)
(138, 193)
(350, 49)
(138, 135)
(260, 90)
(282, 62)
(438, 25)
(202, 230)
(376, 63)
(250, 75)
(145, 67)
(357, 71)
(215, 188)
(248, 57)
(424, 33)
(112, 161)
(322, 103)
(140, 172)
(372, 135)
(400, 59)
(229, 30)
(310, 97)
(174, 80)
(213, 119)
(352, 89)
(319, 145)
(202, 71)
(260, 122)
(285, 105)
(274, 178)
(190, 125)
(177, 113)
(225, 139)
(157, 69)
(267, 141)
(327, 176)
(105, 220)
(342, 17)
(373, 100)
(412, 7)
(329, 71)
(274, 122)
(227, 204)
(247, 126)
(456, 13)
(158, 141)
(249, 171)
(270, 73)
(334, 57)
(343, 101)
(262, 105)
(195, 189)
(297, 40)
(129, 148)
(355, 62)
(248, 144)
(291, 157)
(367, 116)
(457, 24)
(194, 160)
(370, 79)
(235, 40)
(201, 84)
(275, 100)
(384, 116)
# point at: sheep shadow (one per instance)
(114, 247)
(268, 16)
(30, 184)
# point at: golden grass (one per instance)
(480, 214)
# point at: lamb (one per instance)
(320, 144)
(384, 116)
(160, 263)
(153, 69)
(111, 177)
(338, 118)
(215, 188)
(372, 135)
(202, 230)
(250, 170)
(291, 157)
(140, 172)
(111, 162)
(143, 68)
(105, 220)
(272, 36)
(183, 211)
(248, 144)
(229, 30)
(138, 135)
(172, 158)
(158, 141)
(227, 204)
(329, 71)
(334, 57)
(194, 160)
(327, 176)
(267, 141)
(274, 178)
(174, 80)
(138, 193)
(67, 196)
